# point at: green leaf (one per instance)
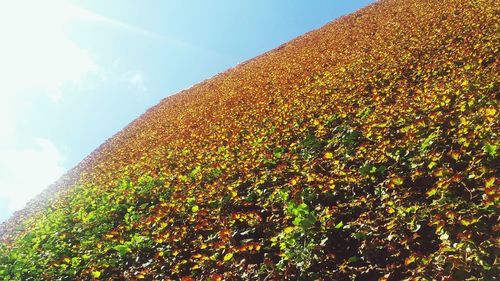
(88, 217)
(428, 141)
(358, 235)
(308, 221)
(339, 225)
(367, 169)
(364, 113)
(137, 239)
(75, 261)
(190, 200)
(283, 195)
(278, 151)
(96, 274)
(490, 149)
(297, 221)
(122, 249)
(195, 171)
(195, 208)
(353, 259)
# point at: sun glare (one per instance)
(36, 50)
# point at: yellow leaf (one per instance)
(409, 260)
(397, 181)
(289, 229)
(228, 256)
(489, 182)
(491, 111)
(328, 155)
(431, 192)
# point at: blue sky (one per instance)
(73, 73)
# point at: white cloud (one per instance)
(136, 79)
(26, 172)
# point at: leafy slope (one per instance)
(364, 150)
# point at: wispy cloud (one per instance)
(84, 14)
(26, 172)
(136, 79)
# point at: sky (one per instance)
(73, 73)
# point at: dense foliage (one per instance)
(367, 149)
